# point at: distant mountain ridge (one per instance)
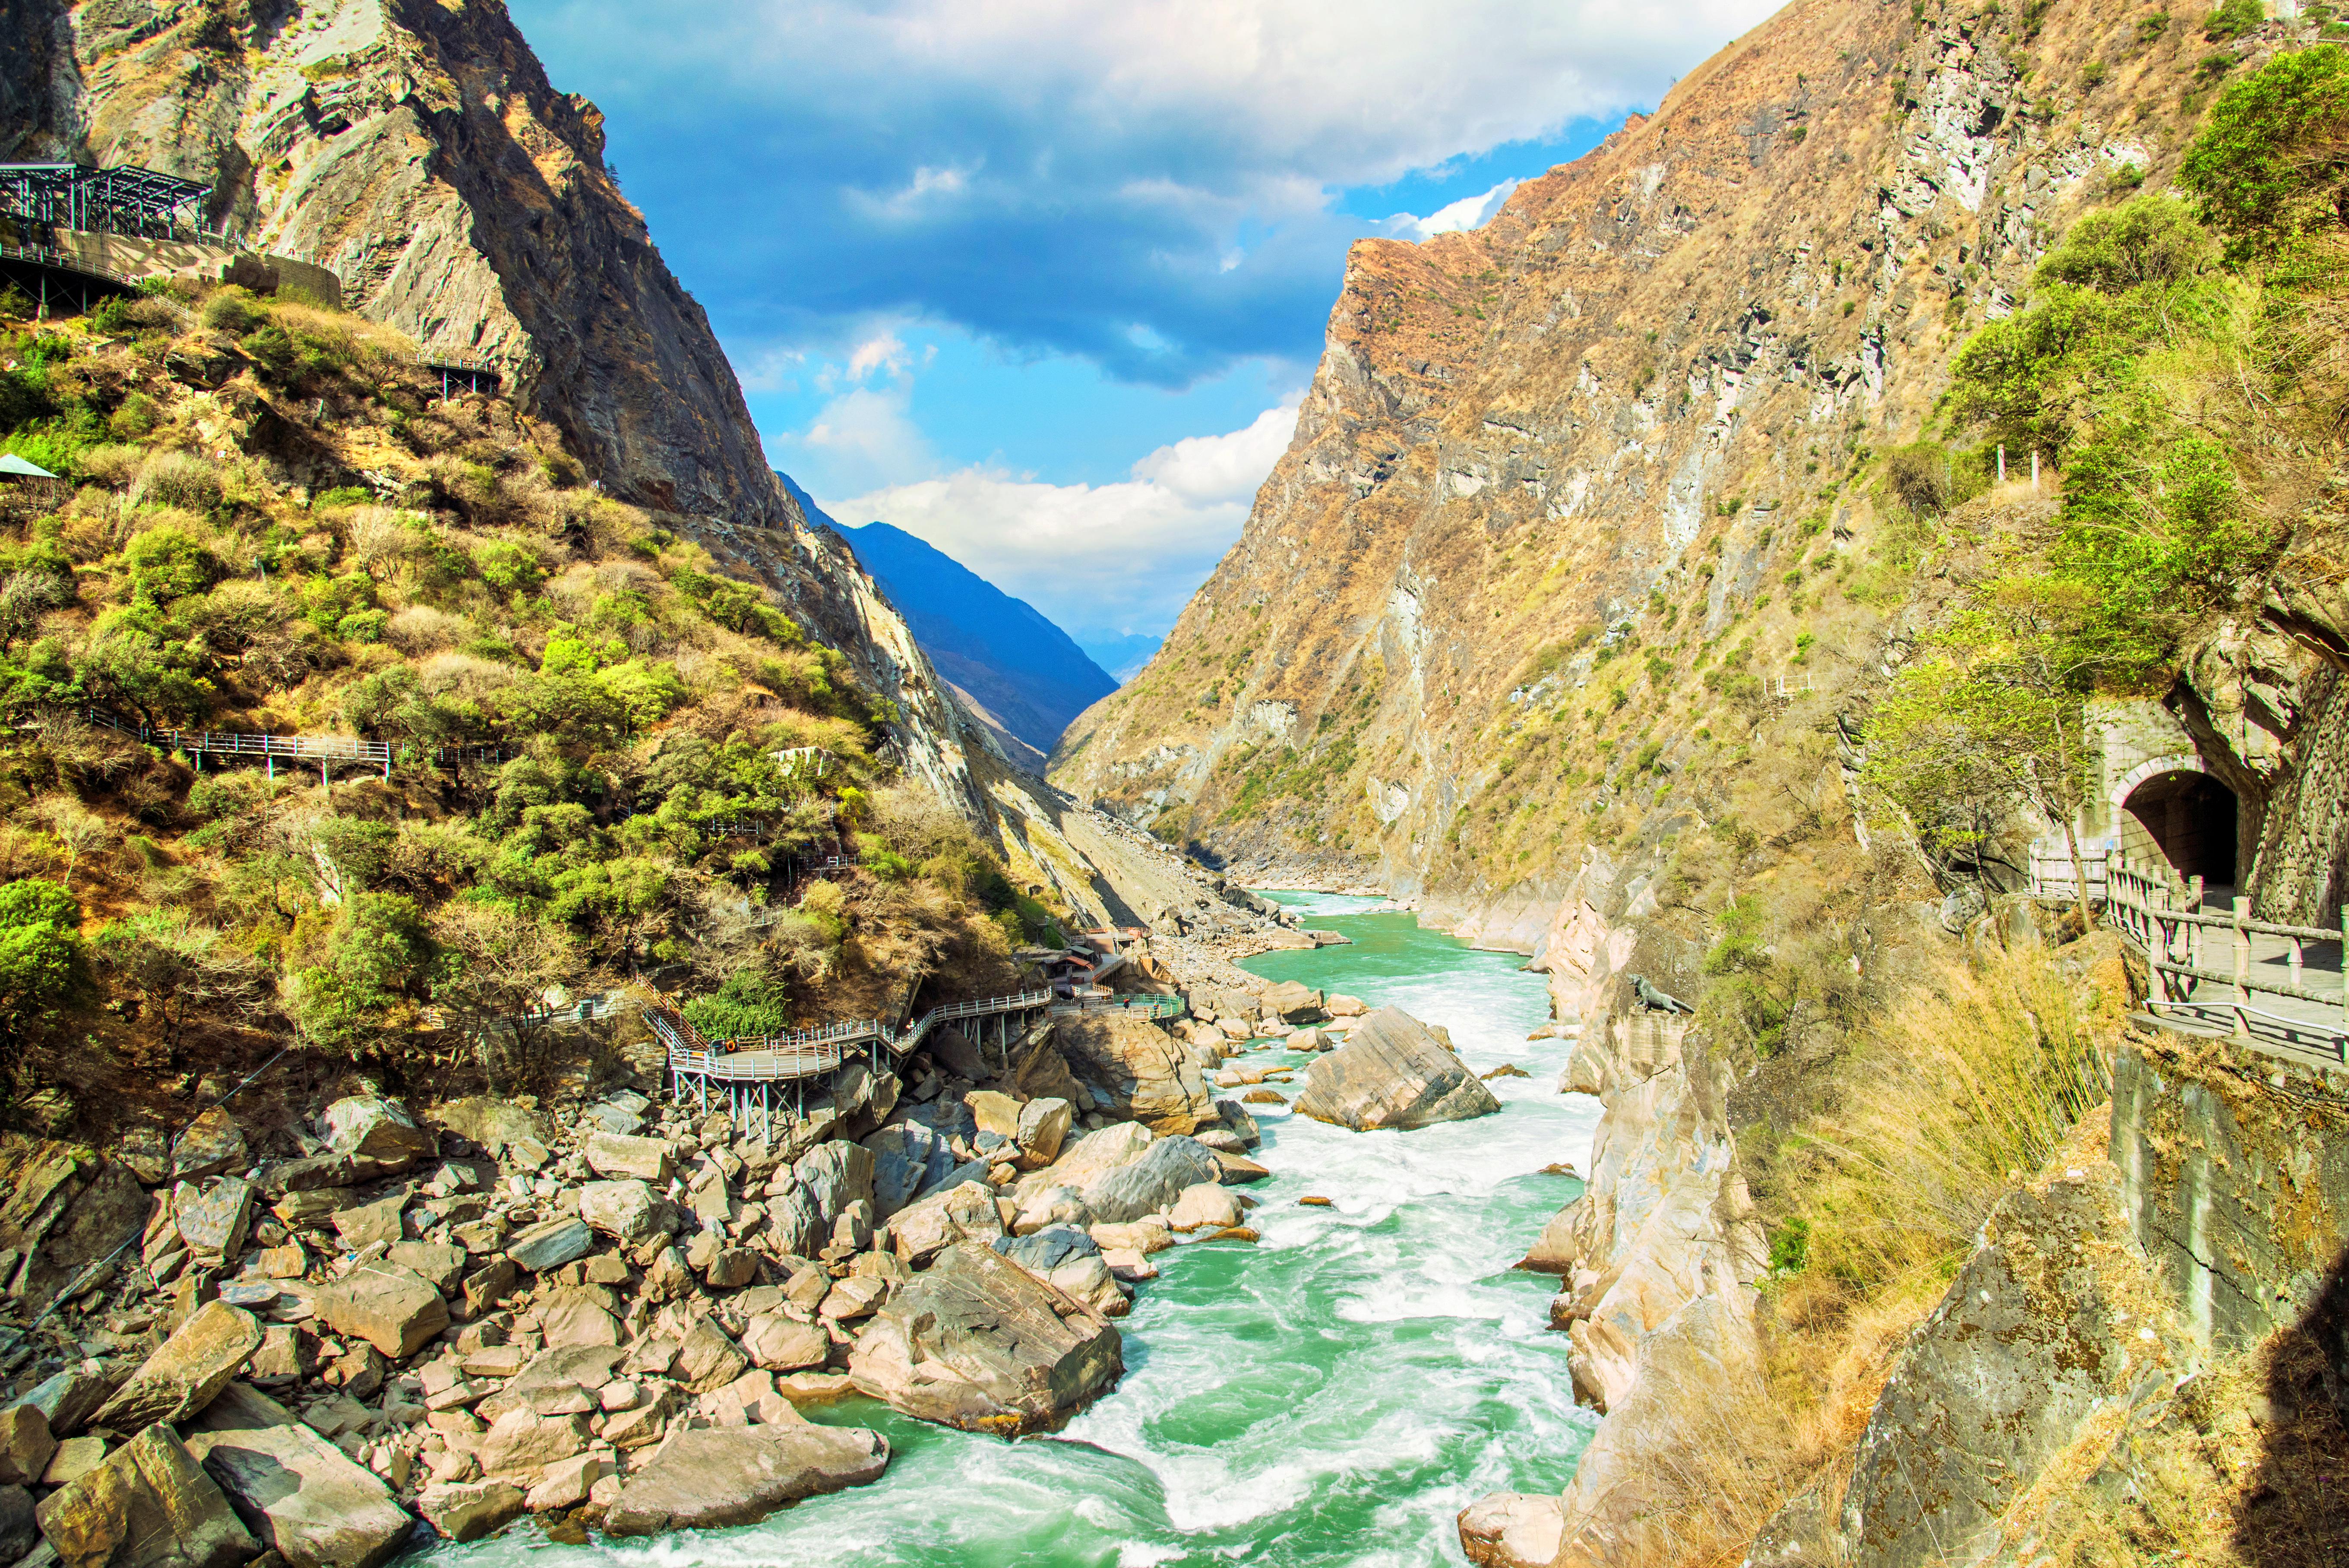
(1027, 678)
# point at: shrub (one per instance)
(2275, 158)
(2234, 19)
(179, 479)
(1974, 1077)
(508, 567)
(1921, 478)
(233, 310)
(2150, 240)
(166, 563)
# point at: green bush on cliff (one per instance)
(2273, 163)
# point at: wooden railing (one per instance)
(2052, 875)
(2176, 937)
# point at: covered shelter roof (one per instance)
(10, 463)
(75, 196)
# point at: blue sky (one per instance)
(1041, 280)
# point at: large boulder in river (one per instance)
(1153, 1181)
(1147, 1075)
(1295, 1001)
(1392, 1072)
(998, 1350)
(714, 1476)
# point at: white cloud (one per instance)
(869, 434)
(1203, 468)
(1468, 212)
(1093, 558)
(885, 351)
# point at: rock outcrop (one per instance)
(1391, 1072)
(1138, 1072)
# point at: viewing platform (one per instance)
(71, 234)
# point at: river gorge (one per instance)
(1334, 1393)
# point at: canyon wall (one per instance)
(1578, 529)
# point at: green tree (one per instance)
(40, 963)
(1993, 720)
(2274, 160)
(377, 960)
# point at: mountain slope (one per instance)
(1000, 650)
(418, 150)
(1019, 673)
(1571, 496)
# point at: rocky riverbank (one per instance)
(610, 1313)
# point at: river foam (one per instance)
(1333, 1395)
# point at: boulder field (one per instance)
(610, 1315)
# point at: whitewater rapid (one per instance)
(1332, 1395)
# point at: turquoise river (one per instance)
(1333, 1395)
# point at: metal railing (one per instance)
(201, 743)
(1131, 1006)
(2142, 903)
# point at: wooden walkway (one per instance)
(746, 1072)
(2218, 973)
(750, 1074)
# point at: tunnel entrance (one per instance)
(2189, 819)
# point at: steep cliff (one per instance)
(1585, 519)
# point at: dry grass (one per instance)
(1963, 1088)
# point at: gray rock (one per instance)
(735, 1475)
(999, 1350)
(468, 1511)
(145, 1505)
(373, 1224)
(1046, 1250)
(551, 1245)
(212, 1143)
(1152, 1183)
(441, 1264)
(19, 1529)
(186, 1370)
(622, 1210)
(708, 1359)
(214, 1223)
(378, 1132)
(908, 1160)
(611, 1155)
(1043, 1124)
(26, 1445)
(392, 1308)
(2035, 1345)
(964, 1211)
(296, 1491)
(1295, 1003)
(68, 1399)
(1391, 1072)
(835, 1175)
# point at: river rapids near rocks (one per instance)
(1333, 1395)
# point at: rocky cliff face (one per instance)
(417, 148)
(1574, 497)
(2143, 1354)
